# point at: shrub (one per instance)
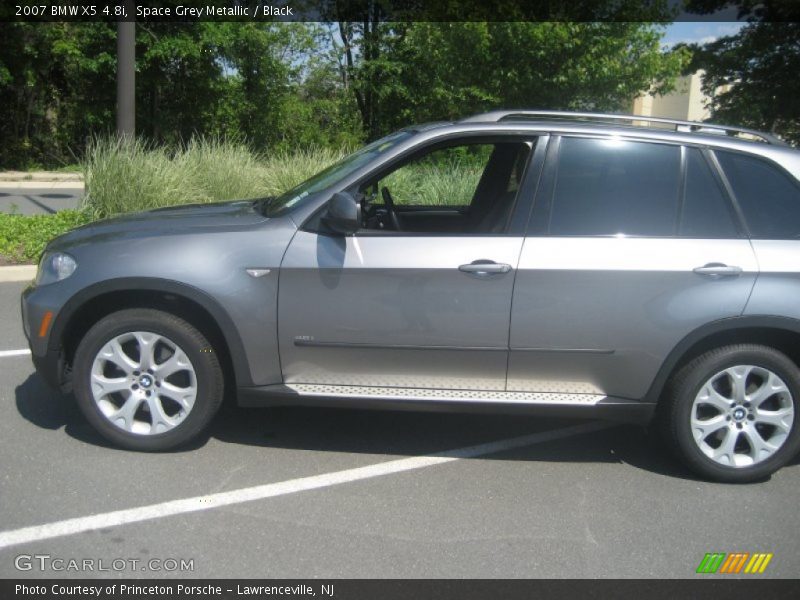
(124, 175)
(23, 237)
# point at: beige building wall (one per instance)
(686, 102)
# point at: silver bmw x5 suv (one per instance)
(565, 263)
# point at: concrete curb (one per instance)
(39, 176)
(42, 185)
(17, 273)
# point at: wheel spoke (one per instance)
(160, 420)
(705, 427)
(772, 385)
(147, 347)
(114, 353)
(781, 419)
(183, 396)
(105, 386)
(126, 412)
(724, 453)
(738, 377)
(708, 395)
(174, 364)
(759, 447)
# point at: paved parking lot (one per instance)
(29, 198)
(596, 501)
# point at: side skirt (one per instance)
(593, 406)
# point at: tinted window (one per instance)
(706, 212)
(769, 198)
(607, 187)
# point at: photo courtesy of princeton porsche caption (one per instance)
(398, 299)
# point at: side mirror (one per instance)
(343, 214)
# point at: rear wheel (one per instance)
(147, 380)
(731, 414)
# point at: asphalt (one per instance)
(610, 503)
(45, 199)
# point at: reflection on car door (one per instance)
(395, 311)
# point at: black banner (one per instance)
(397, 10)
(394, 589)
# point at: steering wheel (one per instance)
(388, 201)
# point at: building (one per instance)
(686, 102)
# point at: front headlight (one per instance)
(54, 267)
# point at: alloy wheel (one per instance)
(742, 415)
(143, 383)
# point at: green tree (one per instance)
(751, 77)
(56, 87)
(430, 71)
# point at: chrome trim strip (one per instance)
(304, 343)
(567, 350)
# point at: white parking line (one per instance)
(271, 490)
(23, 352)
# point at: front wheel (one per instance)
(731, 413)
(147, 380)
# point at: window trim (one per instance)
(727, 192)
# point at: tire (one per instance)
(704, 403)
(137, 409)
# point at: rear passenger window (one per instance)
(769, 198)
(608, 187)
(706, 211)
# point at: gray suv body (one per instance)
(595, 267)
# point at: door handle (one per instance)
(717, 270)
(484, 268)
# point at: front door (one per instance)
(418, 299)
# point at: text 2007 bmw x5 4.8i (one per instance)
(563, 263)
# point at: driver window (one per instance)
(468, 188)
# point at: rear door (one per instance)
(632, 245)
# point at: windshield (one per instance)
(294, 198)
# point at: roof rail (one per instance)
(683, 126)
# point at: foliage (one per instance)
(284, 86)
(23, 237)
(427, 71)
(245, 80)
(124, 175)
(753, 66)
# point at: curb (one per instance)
(17, 273)
(42, 185)
(40, 176)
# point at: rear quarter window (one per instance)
(768, 196)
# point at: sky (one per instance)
(699, 32)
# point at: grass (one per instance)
(23, 237)
(448, 182)
(125, 175)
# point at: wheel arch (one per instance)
(96, 301)
(781, 333)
